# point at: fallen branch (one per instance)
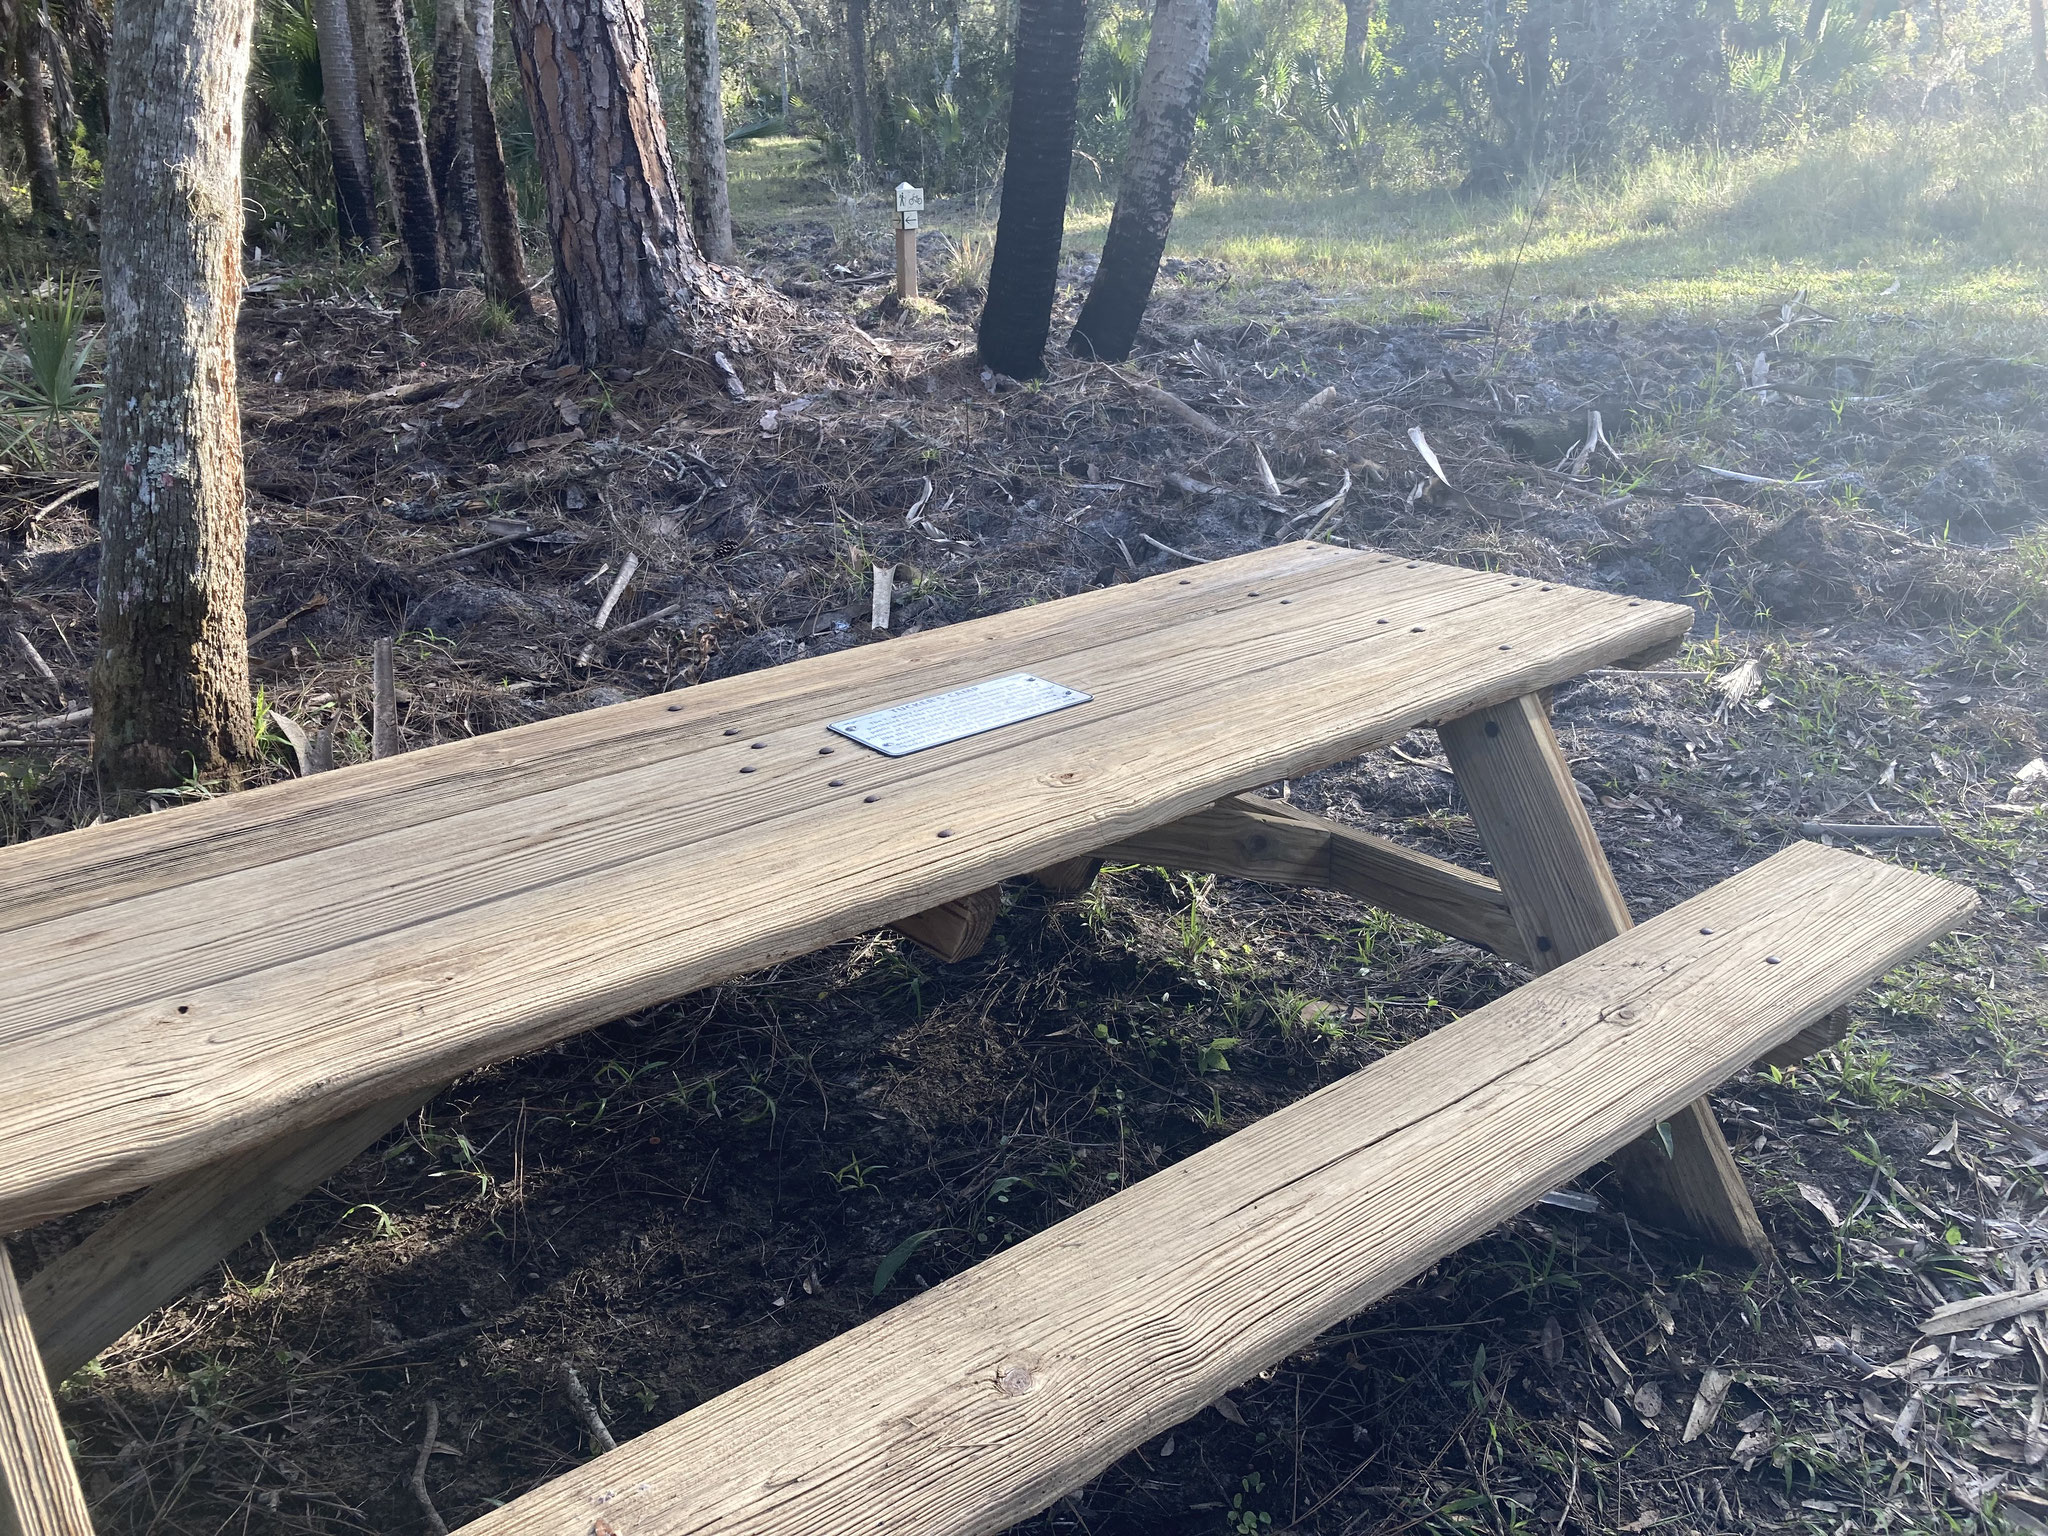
(419, 1472)
(618, 590)
(35, 659)
(645, 620)
(1867, 831)
(312, 605)
(586, 1410)
(1169, 549)
(1173, 405)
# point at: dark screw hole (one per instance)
(748, 769)
(1187, 583)
(1706, 930)
(1416, 630)
(1544, 945)
(945, 832)
(1543, 589)
(1493, 727)
(675, 709)
(1634, 604)
(1507, 647)
(734, 731)
(835, 783)
(824, 751)
(183, 1009)
(870, 799)
(757, 746)
(1379, 621)
(1770, 959)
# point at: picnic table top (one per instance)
(185, 986)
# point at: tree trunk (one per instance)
(1533, 45)
(628, 274)
(2038, 20)
(1045, 83)
(857, 80)
(1162, 133)
(170, 685)
(450, 159)
(355, 202)
(419, 217)
(1359, 16)
(374, 115)
(710, 206)
(39, 149)
(497, 212)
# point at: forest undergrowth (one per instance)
(1847, 485)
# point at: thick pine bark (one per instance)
(170, 685)
(1162, 134)
(857, 80)
(355, 202)
(450, 158)
(33, 82)
(1045, 84)
(497, 212)
(404, 136)
(628, 275)
(710, 206)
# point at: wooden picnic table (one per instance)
(185, 986)
(225, 1002)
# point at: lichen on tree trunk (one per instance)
(170, 682)
(710, 204)
(628, 274)
(1162, 133)
(1045, 85)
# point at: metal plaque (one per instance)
(902, 729)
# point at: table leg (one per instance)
(1564, 900)
(39, 1492)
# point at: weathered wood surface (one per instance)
(39, 1492)
(959, 928)
(986, 1398)
(148, 1254)
(458, 905)
(1253, 838)
(1565, 902)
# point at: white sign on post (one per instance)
(909, 199)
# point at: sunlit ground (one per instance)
(1954, 214)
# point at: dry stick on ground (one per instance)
(312, 604)
(35, 659)
(383, 703)
(419, 1471)
(1172, 404)
(586, 1410)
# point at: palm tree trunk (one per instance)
(1162, 133)
(710, 204)
(450, 159)
(355, 203)
(419, 216)
(1045, 84)
(628, 275)
(497, 212)
(2038, 22)
(857, 80)
(1358, 19)
(170, 684)
(39, 148)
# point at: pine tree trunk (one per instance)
(2037, 20)
(497, 212)
(39, 148)
(710, 205)
(1045, 84)
(628, 274)
(355, 203)
(170, 685)
(1533, 46)
(857, 80)
(419, 217)
(450, 159)
(1162, 133)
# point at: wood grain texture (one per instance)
(497, 895)
(958, 929)
(150, 1253)
(1810, 1041)
(1069, 877)
(38, 1485)
(986, 1398)
(1565, 902)
(1253, 838)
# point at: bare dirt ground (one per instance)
(684, 1198)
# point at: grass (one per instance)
(1954, 213)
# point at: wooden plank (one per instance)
(1565, 901)
(150, 1253)
(1254, 838)
(136, 1054)
(987, 1397)
(1069, 877)
(958, 929)
(1810, 1041)
(39, 1489)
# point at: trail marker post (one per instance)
(909, 205)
